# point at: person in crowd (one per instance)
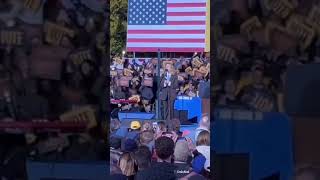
(115, 153)
(182, 155)
(147, 139)
(228, 97)
(174, 126)
(146, 126)
(160, 129)
(161, 126)
(114, 127)
(134, 130)
(164, 167)
(147, 106)
(204, 125)
(127, 166)
(143, 159)
(257, 95)
(130, 145)
(203, 147)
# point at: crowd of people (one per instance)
(52, 64)
(159, 150)
(256, 43)
(136, 79)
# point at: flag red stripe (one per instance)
(186, 13)
(166, 31)
(133, 49)
(186, 22)
(167, 40)
(186, 5)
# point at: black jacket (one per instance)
(158, 171)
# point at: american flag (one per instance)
(167, 25)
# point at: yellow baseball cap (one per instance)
(135, 125)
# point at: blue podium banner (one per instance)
(191, 104)
(266, 137)
(138, 115)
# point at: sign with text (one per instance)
(55, 33)
(282, 8)
(11, 37)
(80, 56)
(84, 114)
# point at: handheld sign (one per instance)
(84, 114)
(147, 82)
(55, 33)
(113, 73)
(118, 60)
(282, 8)
(278, 38)
(11, 38)
(300, 30)
(127, 72)
(147, 71)
(197, 62)
(189, 71)
(34, 5)
(227, 54)
(135, 98)
(80, 56)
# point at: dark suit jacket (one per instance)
(168, 92)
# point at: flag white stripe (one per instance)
(186, 9)
(186, 18)
(166, 45)
(166, 27)
(186, 1)
(166, 36)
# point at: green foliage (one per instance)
(118, 25)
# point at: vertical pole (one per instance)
(158, 111)
(134, 55)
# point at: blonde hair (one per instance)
(203, 138)
(126, 164)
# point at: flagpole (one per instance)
(158, 86)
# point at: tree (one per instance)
(118, 25)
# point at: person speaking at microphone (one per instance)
(168, 91)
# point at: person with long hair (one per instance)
(127, 166)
